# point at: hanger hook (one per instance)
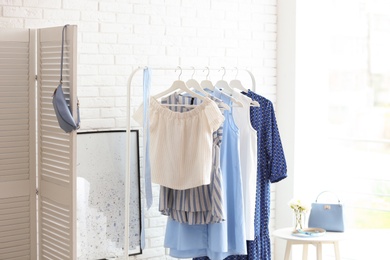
(181, 71)
(236, 71)
(193, 71)
(208, 72)
(224, 72)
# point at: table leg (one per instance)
(288, 251)
(319, 251)
(305, 251)
(337, 250)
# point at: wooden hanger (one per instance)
(179, 85)
(192, 83)
(224, 86)
(207, 84)
(236, 84)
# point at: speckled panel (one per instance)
(101, 195)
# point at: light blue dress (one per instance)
(271, 168)
(219, 240)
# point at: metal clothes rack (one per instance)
(128, 126)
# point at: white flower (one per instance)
(298, 205)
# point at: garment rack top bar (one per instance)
(193, 69)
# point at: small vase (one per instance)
(298, 219)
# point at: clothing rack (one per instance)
(128, 124)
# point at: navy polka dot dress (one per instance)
(271, 168)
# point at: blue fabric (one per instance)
(221, 239)
(271, 168)
(147, 174)
(148, 179)
(231, 171)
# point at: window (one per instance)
(359, 108)
(342, 114)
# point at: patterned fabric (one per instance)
(199, 205)
(271, 168)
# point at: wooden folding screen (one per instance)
(37, 159)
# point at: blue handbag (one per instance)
(329, 216)
(61, 105)
(63, 112)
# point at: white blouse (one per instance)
(181, 143)
(248, 158)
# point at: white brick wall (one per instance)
(117, 36)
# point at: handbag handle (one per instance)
(326, 191)
(62, 50)
(62, 65)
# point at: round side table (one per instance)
(317, 241)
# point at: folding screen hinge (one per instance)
(36, 192)
(36, 77)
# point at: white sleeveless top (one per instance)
(181, 143)
(248, 157)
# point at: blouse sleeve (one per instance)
(277, 161)
(214, 116)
